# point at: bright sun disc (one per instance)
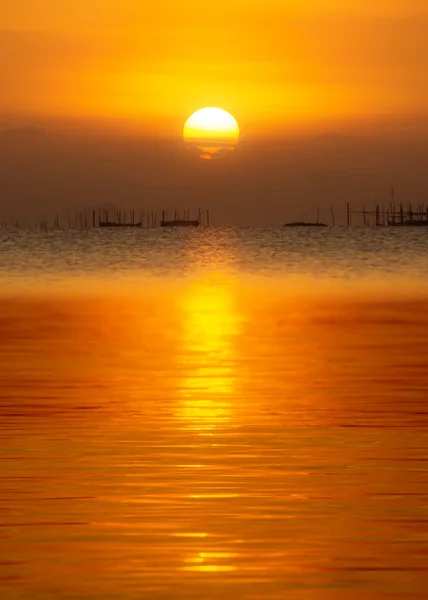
(213, 131)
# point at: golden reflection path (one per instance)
(210, 324)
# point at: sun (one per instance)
(213, 131)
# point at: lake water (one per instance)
(214, 413)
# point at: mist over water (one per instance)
(216, 412)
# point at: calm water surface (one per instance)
(234, 413)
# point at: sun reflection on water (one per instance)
(202, 562)
(211, 322)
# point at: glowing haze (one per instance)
(273, 65)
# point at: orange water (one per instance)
(214, 438)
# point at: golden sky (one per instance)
(270, 62)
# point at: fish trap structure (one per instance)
(104, 218)
(391, 216)
(403, 216)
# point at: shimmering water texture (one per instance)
(215, 435)
(318, 252)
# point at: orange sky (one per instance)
(270, 63)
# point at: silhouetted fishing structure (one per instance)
(392, 215)
(179, 223)
(149, 220)
(316, 223)
(183, 222)
(380, 215)
(105, 218)
(121, 219)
